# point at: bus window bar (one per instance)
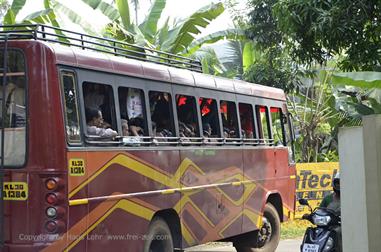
(165, 140)
(100, 44)
(186, 141)
(102, 142)
(135, 141)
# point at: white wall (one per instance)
(352, 177)
(372, 163)
(360, 166)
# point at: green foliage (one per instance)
(275, 67)
(281, 77)
(107, 9)
(314, 31)
(228, 34)
(177, 37)
(43, 16)
(184, 32)
(318, 111)
(358, 79)
(262, 25)
(210, 61)
(124, 12)
(149, 25)
(73, 16)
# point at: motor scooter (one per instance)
(325, 236)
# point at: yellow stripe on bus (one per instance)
(133, 165)
(125, 205)
(78, 202)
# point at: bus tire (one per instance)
(265, 242)
(159, 238)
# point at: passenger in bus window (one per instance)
(134, 103)
(136, 126)
(229, 119)
(247, 124)
(125, 128)
(209, 115)
(94, 95)
(129, 138)
(186, 130)
(160, 110)
(96, 126)
(206, 129)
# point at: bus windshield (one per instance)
(13, 118)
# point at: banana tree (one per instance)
(318, 111)
(175, 36)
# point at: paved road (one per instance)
(284, 246)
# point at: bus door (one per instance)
(12, 136)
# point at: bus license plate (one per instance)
(310, 248)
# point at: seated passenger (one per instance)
(96, 125)
(125, 129)
(136, 126)
(94, 95)
(207, 130)
(129, 139)
(186, 130)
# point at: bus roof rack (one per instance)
(118, 48)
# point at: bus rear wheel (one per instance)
(267, 237)
(159, 238)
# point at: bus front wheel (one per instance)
(268, 235)
(158, 238)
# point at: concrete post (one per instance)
(360, 165)
(353, 204)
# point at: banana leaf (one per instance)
(358, 79)
(107, 9)
(149, 25)
(124, 12)
(180, 37)
(233, 34)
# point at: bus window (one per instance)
(277, 126)
(131, 102)
(187, 116)
(229, 119)
(263, 123)
(99, 98)
(209, 117)
(247, 120)
(161, 114)
(14, 120)
(71, 108)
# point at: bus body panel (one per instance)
(206, 212)
(211, 213)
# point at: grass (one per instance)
(293, 229)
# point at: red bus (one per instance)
(107, 146)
